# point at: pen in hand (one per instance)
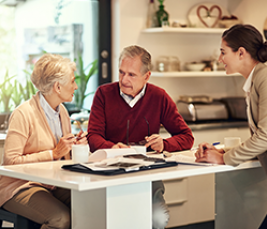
(82, 133)
(78, 137)
(214, 144)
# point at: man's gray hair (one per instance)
(134, 51)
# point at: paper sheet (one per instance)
(102, 154)
(185, 159)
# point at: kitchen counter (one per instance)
(217, 125)
(212, 125)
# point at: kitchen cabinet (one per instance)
(190, 200)
(218, 135)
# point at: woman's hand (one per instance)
(201, 149)
(208, 153)
(81, 138)
(155, 141)
(64, 146)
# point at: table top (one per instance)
(51, 173)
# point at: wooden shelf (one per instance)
(191, 74)
(184, 30)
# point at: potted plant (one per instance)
(29, 89)
(12, 94)
(82, 79)
(6, 93)
(5, 97)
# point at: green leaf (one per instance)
(6, 91)
(82, 79)
(17, 95)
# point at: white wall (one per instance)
(131, 18)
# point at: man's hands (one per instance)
(155, 141)
(119, 145)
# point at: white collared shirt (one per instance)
(247, 89)
(132, 101)
(52, 117)
(247, 84)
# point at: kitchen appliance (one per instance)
(205, 108)
(200, 108)
(236, 106)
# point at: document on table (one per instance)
(103, 154)
(128, 164)
(185, 159)
(119, 165)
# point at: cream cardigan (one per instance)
(29, 140)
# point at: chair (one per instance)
(18, 221)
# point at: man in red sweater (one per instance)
(131, 111)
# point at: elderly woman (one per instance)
(39, 131)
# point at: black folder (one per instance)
(83, 169)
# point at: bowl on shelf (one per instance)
(228, 23)
(195, 66)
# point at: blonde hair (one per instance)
(132, 52)
(49, 69)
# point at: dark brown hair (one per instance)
(248, 37)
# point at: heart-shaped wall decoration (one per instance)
(209, 15)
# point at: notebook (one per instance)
(118, 161)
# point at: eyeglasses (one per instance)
(142, 142)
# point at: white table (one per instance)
(122, 201)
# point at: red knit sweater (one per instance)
(110, 113)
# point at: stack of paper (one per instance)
(103, 154)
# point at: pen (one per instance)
(77, 138)
(214, 144)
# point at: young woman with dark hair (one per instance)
(244, 51)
